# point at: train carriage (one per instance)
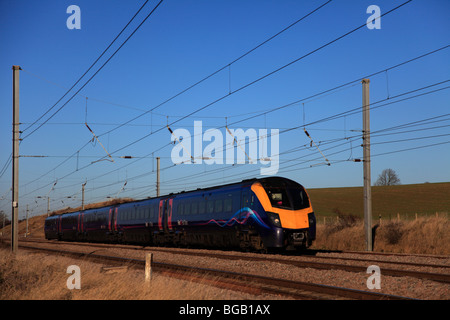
(258, 214)
(203, 217)
(134, 222)
(95, 224)
(52, 227)
(69, 226)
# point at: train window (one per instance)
(218, 206)
(194, 207)
(228, 205)
(210, 206)
(180, 209)
(201, 207)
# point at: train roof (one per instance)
(243, 182)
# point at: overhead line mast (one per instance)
(15, 163)
(366, 164)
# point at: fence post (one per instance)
(148, 266)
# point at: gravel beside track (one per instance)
(400, 286)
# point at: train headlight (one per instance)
(274, 218)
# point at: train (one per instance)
(260, 214)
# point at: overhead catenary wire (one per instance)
(237, 59)
(284, 106)
(220, 69)
(329, 118)
(103, 65)
(259, 79)
(92, 65)
(286, 161)
(340, 114)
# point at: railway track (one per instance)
(234, 280)
(440, 277)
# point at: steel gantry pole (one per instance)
(15, 163)
(366, 163)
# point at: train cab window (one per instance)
(285, 193)
(279, 198)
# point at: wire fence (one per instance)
(327, 220)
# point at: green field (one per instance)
(388, 201)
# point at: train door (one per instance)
(161, 215)
(79, 226)
(245, 204)
(114, 220)
(111, 220)
(165, 216)
(169, 215)
(59, 227)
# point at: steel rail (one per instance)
(296, 289)
(440, 277)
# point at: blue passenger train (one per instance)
(256, 214)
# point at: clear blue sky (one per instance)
(185, 41)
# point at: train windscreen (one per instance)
(285, 194)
